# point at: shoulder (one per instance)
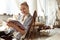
(29, 15)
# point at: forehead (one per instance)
(23, 6)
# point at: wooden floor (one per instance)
(54, 34)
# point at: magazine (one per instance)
(17, 23)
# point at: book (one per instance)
(17, 23)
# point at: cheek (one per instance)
(24, 11)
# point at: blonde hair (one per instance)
(25, 3)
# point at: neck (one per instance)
(26, 14)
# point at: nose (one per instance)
(23, 11)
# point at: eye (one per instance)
(23, 8)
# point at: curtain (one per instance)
(9, 7)
(50, 12)
(2, 6)
(44, 8)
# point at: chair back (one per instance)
(32, 21)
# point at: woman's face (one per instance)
(24, 9)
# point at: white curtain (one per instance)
(50, 12)
(8, 6)
(12, 7)
(44, 8)
(41, 7)
(2, 6)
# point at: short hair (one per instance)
(25, 3)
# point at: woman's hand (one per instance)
(10, 24)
